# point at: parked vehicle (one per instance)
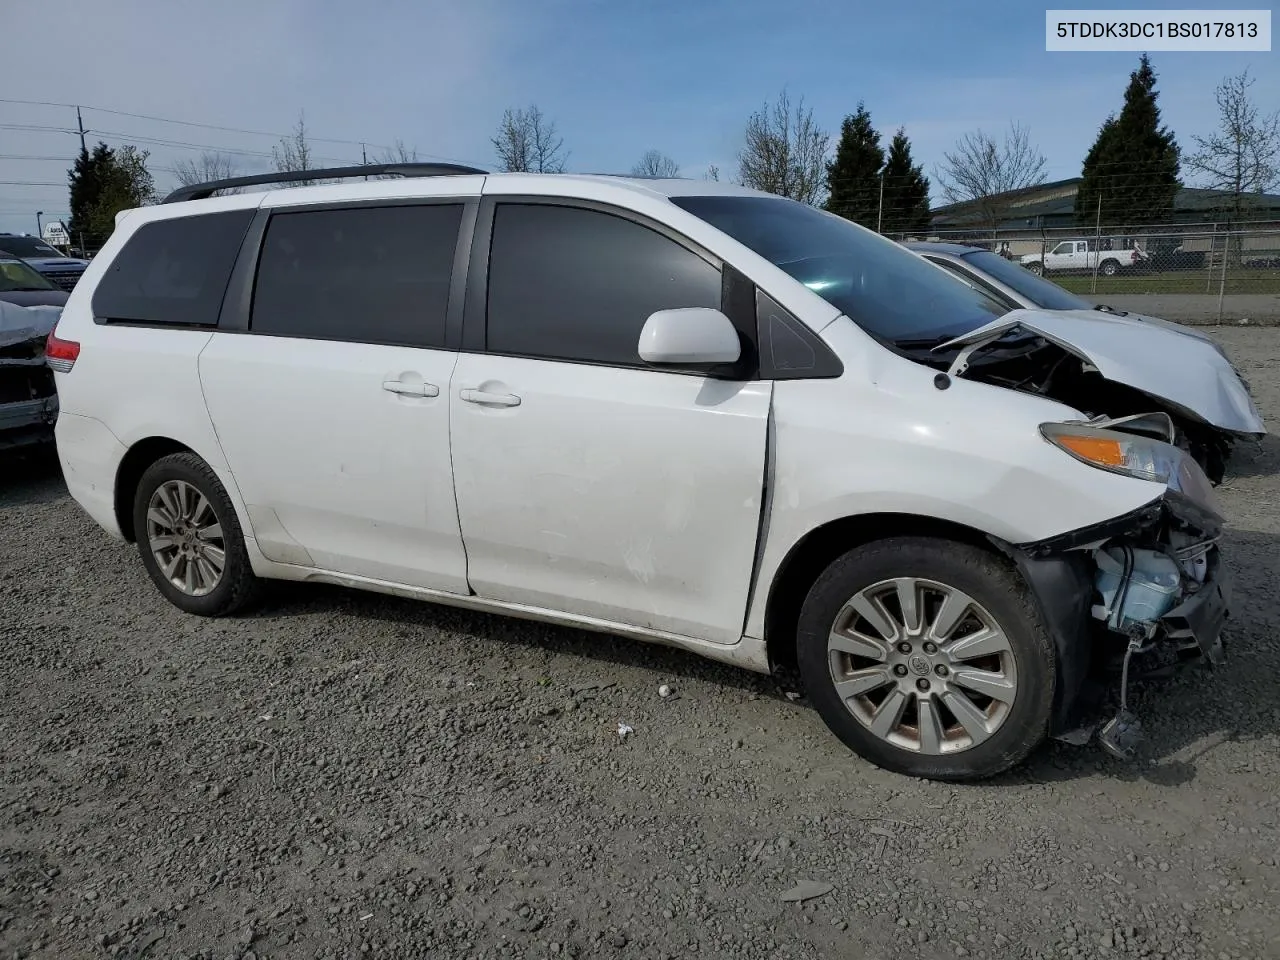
(1206, 429)
(1083, 256)
(679, 411)
(28, 400)
(22, 285)
(1166, 254)
(46, 260)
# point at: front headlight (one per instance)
(1145, 458)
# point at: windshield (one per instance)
(1041, 292)
(16, 275)
(885, 289)
(28, 247)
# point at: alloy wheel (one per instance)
(922, 665)
(186, 538)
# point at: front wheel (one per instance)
(928, 658)
(189, 537)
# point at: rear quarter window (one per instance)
(173, 272)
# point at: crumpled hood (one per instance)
(19, 324)
(1185, 369)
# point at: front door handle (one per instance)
(486, 399)
(411, 389)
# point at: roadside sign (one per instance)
(55, 233)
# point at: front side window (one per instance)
(569, 283)
(173, 271)
(886, 289)
(361, 274)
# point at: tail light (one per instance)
(60, 355)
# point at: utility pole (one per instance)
(39, 225)
(1097, 253)
(80, 124)
(364, 160)
(880, 210)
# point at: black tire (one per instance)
(1110, 268)
(238, 586)
(1037, 268)
(990, 581)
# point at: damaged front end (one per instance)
(28, 397)
(1143, 593)
(1114, 366)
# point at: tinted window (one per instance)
(1041, 292)
(884, 288)
(173, 271)
(577, 284)
(29, 248)
(366, 274)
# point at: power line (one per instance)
(186, 123)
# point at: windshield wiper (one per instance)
(1106, 309)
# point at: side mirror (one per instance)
(689, 337)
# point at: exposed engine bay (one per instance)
(1034, 365)
(1155, 590)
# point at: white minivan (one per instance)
(671, 410)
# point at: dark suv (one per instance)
(53, 266)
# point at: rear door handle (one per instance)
(411, 389)
(486, 399)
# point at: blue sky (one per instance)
(618, 78)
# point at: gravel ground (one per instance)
(344, 774)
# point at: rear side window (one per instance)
(362, 274)
(173, 271)
(567, 283)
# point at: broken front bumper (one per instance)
(1062, 574)
(1196, 623)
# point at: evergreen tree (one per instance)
(1133, 165)
(87, 179)
(906, 190)
(853, 177)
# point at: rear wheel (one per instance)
(1037, 268)
(189, 537)
(929, 658)
(1110, 268)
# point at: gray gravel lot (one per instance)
(342, 774)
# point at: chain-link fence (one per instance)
(1212, 258)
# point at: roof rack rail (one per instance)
(200, 191)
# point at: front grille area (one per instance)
(66, 279)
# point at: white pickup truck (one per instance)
(1081, 256)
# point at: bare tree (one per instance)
(293, 153)
(713, 173)
(785, 151)
(982, 171)
(528, 142)
(206, 168)
(1243, 155)
(655, 163)
(397, 153)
